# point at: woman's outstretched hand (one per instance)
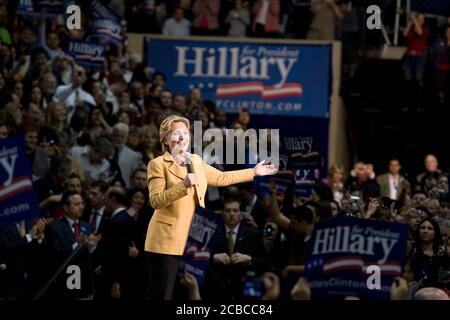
(262, 169)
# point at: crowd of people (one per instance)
(89, 135)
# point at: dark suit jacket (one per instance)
(87, 218)
(24, 263)
(228, 278)
(116, 238)
(61, 239)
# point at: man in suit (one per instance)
(95, 212)
(253, 210)
(124, 159)
(22, 251)
(65, 236)
(392, 184)
(117, 240)
(236, 249)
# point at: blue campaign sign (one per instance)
(108, 30)
(303, 152)
(51, 7)
(198, 247)
(87, 54)
(18, 200)
(26, 7)
(266, 78)
(341, 250)
(100, 10)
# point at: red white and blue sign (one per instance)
(341, 251)
(108, 30)
(197, 252)
(87, 54)
(264, 77)
(18, 200)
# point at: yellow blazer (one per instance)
(174, 204)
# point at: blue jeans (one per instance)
(414, 67)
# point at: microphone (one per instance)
(188, 163)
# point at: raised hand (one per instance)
(262, 169)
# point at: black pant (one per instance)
(163, 270)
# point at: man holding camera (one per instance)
(72, 95)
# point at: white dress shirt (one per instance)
(262, 16)
(393, 186)
(234, 234)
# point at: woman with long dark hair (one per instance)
(425, 261)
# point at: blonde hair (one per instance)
(166, 126)
(336, 167)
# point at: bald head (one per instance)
(431, 294)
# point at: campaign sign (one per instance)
(99, 10)
(341, 250)
(87, 54)
(51, 7)
(108, 30)
(18, 200)
(198, 247)
(303, 151)
(26, 8)
(264, 77)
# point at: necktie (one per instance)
(76, 231)
(94, 220)
(22, 229)
(230, 242)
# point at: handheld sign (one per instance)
(18, 200)
(355, 257)
(198, 247)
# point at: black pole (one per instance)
(58, 272)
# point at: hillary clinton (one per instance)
(174, 194)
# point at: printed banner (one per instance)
(303, 153)
(107, 30)
(87, 54)
(341, 250)
(33, 8)
(101, 11)
(51, 7)
(198, 247)
(18, 200)
(26, 7)
(431, 6)
(266, 78)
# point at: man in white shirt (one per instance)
(72, 95)
(124, 158)
(93, 160)
(177, 25)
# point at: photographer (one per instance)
(72, 95)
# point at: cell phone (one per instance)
(253, 287)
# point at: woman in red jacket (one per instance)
(266, 21)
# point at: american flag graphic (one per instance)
(110, 33)
(198, 255)
(356, 263)
(266, 92)
(17, 185)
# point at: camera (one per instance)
(253, 286)
(268, 229)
